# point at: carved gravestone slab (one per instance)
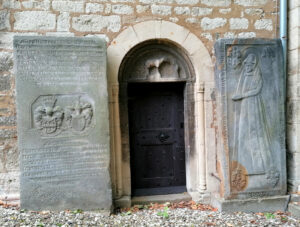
(63, 129)
(250, 88)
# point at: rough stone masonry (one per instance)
(207, 19)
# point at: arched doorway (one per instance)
(157, 103)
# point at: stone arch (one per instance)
(203, 73)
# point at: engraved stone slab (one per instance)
(63, 129)
(250, 87)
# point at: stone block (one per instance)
(264, 24)
(142, 8)
(7, 121)
(4, 20)
(6, 61)
(63, 123)
(293, 66)
(254, 12)
(212, 23)
(250, 101)
(238, 23)
(225, 11)
(156, 1)
(294, 208)
(68, 6)
(250, 2)
(96, 23)
(262, 204)
(186, 2)
(295, 33)
(94, 8)
(293, 18)
(247, 35)
(122, 9)
(218, 3)
(293, 4)
(8, 133)
(35, 4)
(182, 10)
(63, 22)
(161, 10)
(34, 20)
(198, 11)
(5, 83)
(11, 4)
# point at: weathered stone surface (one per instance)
(62, 118)
(161, 10)
(63, 22)
(250, 2)
(264, 24)
(94, 8)
(210, 24)
(216, 3)
(68, 6)
(5, 82)
(250, 91)
(95, 23)
(294, 208)
(262, 204)
(6, 62)
(34, 20)
(4, 19)
(238, 23)
(122, 9)
(197, 11)
(35, 4)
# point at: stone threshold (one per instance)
(127, 201)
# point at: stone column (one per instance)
(200, 146)
(116, 141)
(293, 97)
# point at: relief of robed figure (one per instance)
(252, 143)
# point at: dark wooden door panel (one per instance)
(156, 136)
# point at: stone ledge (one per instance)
(264, 204)
(294, 209)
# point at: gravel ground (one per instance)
(169, 217)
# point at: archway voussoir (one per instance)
(148, 30)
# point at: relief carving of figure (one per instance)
(48, 118)
(79, 115)
(252, 141)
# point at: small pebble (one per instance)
(172, 217)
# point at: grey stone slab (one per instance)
(63, 123)
(264, 204)
(250, 98)
(294, 208)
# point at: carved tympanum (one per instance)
(155, 63)
(162, 67)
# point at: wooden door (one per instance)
(156, 126)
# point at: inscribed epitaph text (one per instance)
(63, 131)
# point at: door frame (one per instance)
(177, 89)
(188, 95)
(203, 182)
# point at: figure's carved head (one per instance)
(250, 63)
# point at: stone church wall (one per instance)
(207, 19)
(293, 97)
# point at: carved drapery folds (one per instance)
(250, 82)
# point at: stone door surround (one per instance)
(201, 167)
